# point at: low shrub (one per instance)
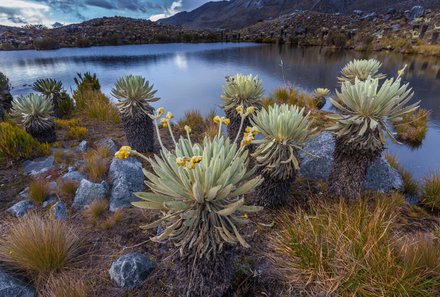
(413, 127)
(39, 191)
(16, 143)
(409, 184)
(346, 249)
(431, 191)
(39, 246)
(78, 133)
(60, 123)
(66, 285)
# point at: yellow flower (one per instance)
(180, 161)
(187, 128)
(239, 109)
(252, 130)
(250, 110)
(164, 123)
(245, 216)
(401, 72)
(217, 119)
(123, 153)
(247, 138)
(160, 111)
(196, 159)
(169, 115)
(191, 165)
(226, 121)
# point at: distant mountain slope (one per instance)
(236, 14)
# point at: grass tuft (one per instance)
(291, 96)
(413, 127)
(96, 165)
(347, 250)
(60, 123)
(66, 285)
(39, 191)
(422, 250)
(67, 188)
(95, 105)
(409, 184)
(431, 191)
(39, 246)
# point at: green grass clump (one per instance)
(67, 188)
(78, 133)
(200, 126)
(431, 191)
(96, 106)
(16, 143)
(39, 191)
(39, 247)
(347, 249)
(291, 96)
(409, 184)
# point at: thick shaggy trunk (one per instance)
(273, 192)
(6, 100)
(139, 131)
(234, 126)
(57, 112)
(206, 278)
(46, 135)
(349, 170)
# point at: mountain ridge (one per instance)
(236, 14)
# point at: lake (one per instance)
(190, 76)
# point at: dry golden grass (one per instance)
(39, 191)
(431, 191)
(78, 133)
(345, 249)
(96, 211)
(409, 184)
(39, 246)
(413, 127)
(200, 126)
(66, 285)
(113, 219)
(96, 165)
(291, 96)
(422, 250)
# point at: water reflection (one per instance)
(191, 75)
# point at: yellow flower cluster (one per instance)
(164, 122)
(160, 111)
(241, 111)
(187, 128)
(249, 135)
(123, 153)
(190, 162)
(223, 120)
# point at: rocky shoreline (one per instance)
(415, 31)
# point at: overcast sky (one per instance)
(21, 12)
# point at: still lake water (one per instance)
(190, 76)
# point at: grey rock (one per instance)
(416, 12)
(38, 166)
(59, 211)
(108, 143)
(74, 175)
(12, 287)
(82, 147)
(391, 11)
(380, 177)
(89, 192)
(24, 194)
(21, 208)
(131, 269)
(52, 186)
(50, 200)
(370, 15)
(358, 12)
(127, 178)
